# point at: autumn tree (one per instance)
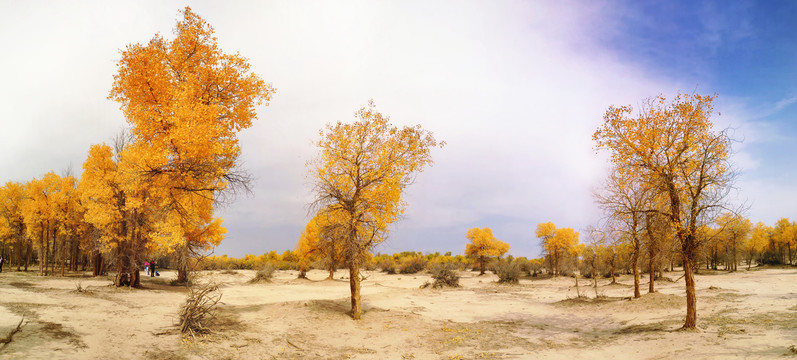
(556, 242)
(733, 231)
(120, 211)
(41, 211)
(322, 237)
(483, 246)
(756, 242)
(360, 173)
(186, 101)
(784, 236)
(12, 223)
(625, 198)
(657, 237)
(673, 146)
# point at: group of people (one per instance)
(149, 269)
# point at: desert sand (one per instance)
(748, 314)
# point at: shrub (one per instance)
(507, 271)
(264, 274)
(444, 275)
(412, 265)
(536, 265)
(387, 264)
(199, 307)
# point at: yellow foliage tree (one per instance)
(784, 235)
(676, 151)
(733, 230)
(186, 100)
(483, 245)
(625, 198)
(756, 242)
(12, 223)
(43, 199)
(119, 208)
(556, 242)
(322, 237)
(360, 174)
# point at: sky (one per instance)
(515, 88)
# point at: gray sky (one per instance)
(516, 89)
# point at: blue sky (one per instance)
(515, 88)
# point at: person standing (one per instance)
(152, 269)
(2, 260)
(146, 268)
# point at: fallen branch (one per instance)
(294, 345)
(7, 339)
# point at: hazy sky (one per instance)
(516, 89)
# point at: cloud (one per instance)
(515, 89)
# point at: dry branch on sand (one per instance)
(82, 290)
(198, 308)
(7, 339)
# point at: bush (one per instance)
(199, 307)
(507, 271)
(444, 275)
(412, 265)
(264, 274)
(387, 264)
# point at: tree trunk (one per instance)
(46, 247)
(182, 275)
(691, 299)
(635, 265)
(53, 253)
(652, 277)
(97, 263)
(331, 272)
(481, 265)
(28, 254)
(354, 284)
(578, 292)
(614, 280)
(555, 264)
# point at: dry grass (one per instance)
(263, 275)
(444, 275)
(79, 289)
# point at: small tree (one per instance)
(676, 152)
(322, 237)
(359, 177)
(483, 245)
(733, 230)
(757, 242)
(556, 242)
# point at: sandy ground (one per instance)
(749, 314)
